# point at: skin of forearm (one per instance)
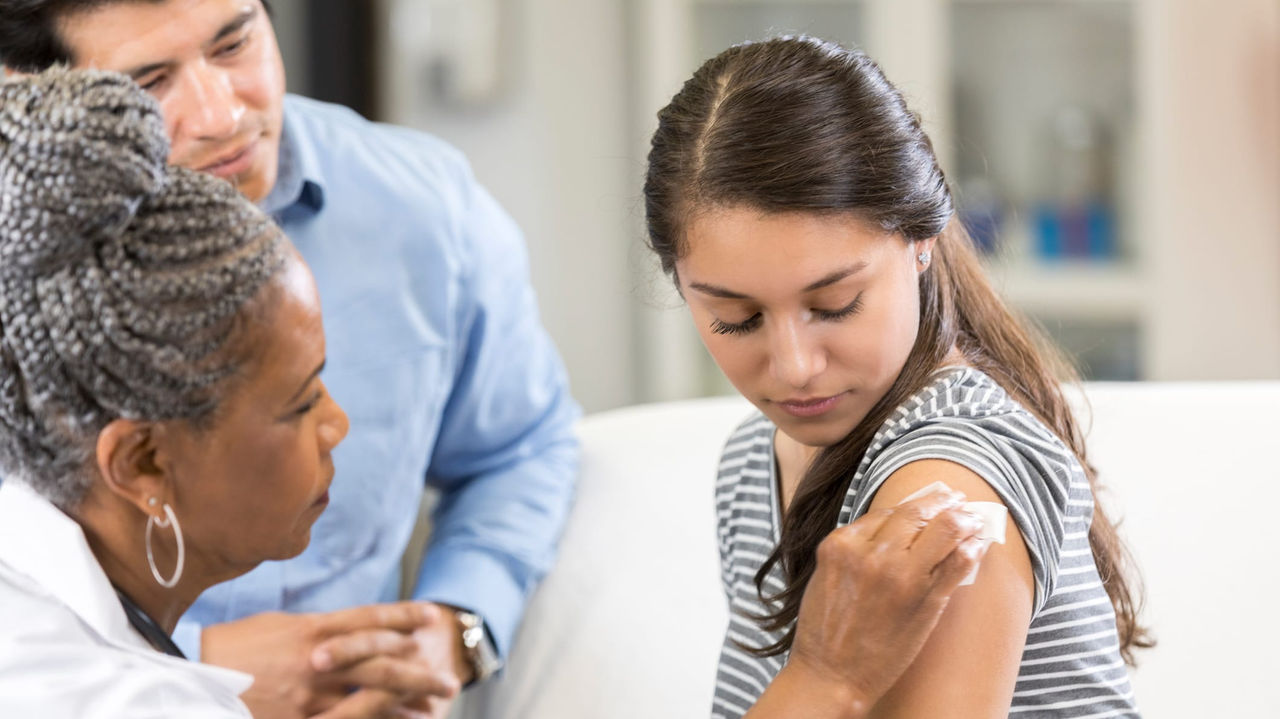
(799, 694)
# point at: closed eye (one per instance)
(233, 48)
(751, 323)
(738, 328)
(844, 312)
(312, 402)
(152, 83)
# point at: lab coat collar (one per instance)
(38, 540)
(49, 548)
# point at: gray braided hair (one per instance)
(122, 280)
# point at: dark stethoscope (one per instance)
(147, 627)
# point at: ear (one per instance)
(920, 247)
(131, 463)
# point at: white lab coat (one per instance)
(66, 647)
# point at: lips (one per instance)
(810, 406)
(323, 499)
(232, 163)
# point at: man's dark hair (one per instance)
(29, 39)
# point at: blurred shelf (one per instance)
(1076, 290)
(780, 3)
(1025, 3)
(717, 24)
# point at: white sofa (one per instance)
(629, 622)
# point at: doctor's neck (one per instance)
(115, 531)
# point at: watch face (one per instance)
(480, 651)
(472, 636)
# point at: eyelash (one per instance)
(234, 47)
(752, 322)
(310, 405)
(153, 84)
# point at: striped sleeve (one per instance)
(1028, 468)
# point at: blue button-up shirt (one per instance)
(436, 353)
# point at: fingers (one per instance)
(407, 713)
(942, 535)
(400, 616)
(363, 704)
(905, 521)
(401, 676)
(420, 708)
(345, 650)
(952, 570)
(866, 527)
(374, 703)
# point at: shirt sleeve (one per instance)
(1030, 470)
(505, 461)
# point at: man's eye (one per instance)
(152, 82)
(234, 47)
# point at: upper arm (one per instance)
(970, 663)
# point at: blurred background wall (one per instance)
(1118, 160)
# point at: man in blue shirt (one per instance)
(435, 351)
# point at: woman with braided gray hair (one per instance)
(162, 423)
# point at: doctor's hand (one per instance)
(372, 645)
(434, 649)
(880, 586)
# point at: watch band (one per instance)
(477, 646)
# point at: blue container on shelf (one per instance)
(1084, 231)
(1048, 232)
(1101, 228)
(983, 225)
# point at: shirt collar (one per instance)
(299, 177)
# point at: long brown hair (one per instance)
(797, 124)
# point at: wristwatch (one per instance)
(477, 647)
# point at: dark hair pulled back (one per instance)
(795, 124)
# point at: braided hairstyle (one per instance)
(125, 284)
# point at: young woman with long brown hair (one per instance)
(801, 212)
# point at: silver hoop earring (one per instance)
(170, 519)
(923, 258)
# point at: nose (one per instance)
(333, 428)
(206, 107)
(796, 354)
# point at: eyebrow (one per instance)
(231, 27)
(826, 281)
(315, 373)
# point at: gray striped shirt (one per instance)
(1071, 665)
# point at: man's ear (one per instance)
(131, 463)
